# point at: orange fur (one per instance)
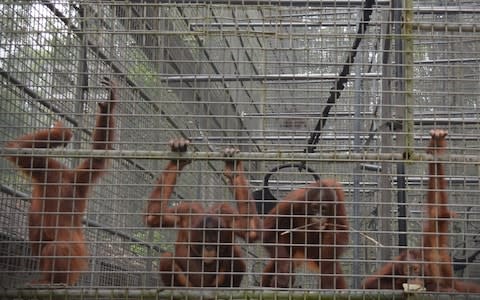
(406, 267)
(436, 228)
(205, 251)
(432, 265)
(293, 235)
(59, 196)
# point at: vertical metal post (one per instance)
(385, 180)
(402, 12)
(81, 91)
(409, 73)
(357, 172)
(399, 96)
(81, 94)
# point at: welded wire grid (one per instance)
(256, 75)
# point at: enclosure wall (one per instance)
(345, 92)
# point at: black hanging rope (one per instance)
(342, 77)
(265, 193)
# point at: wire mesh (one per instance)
(254, 75)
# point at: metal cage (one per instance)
(306, 90)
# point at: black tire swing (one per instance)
(264, 197)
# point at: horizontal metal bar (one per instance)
(293, 3)
(463, 9)
(444, 27)
(274, 24)
(311, 23)
(336, 137)
(411, 180)
(441, 115)
(265, 77)
(12, 192)
(416, 121)
(448, 60)
(57, 292)
(250, 156)
(300, 77)
(314, 23)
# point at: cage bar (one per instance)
(239, 111)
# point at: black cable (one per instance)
(265, 193)
(342, 77)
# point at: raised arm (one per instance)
(437, 197)
(90, 169)
(158, 211)
(247, 222)
(41, 168)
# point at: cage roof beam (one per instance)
(290, 3)
(277, 24)
(266, 77)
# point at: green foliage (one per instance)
(142, 71)
(155, 237)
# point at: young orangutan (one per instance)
(439, 270)
(59, 195)
(429, 267)
(308, 226)
(205, 251)
(405, 268)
